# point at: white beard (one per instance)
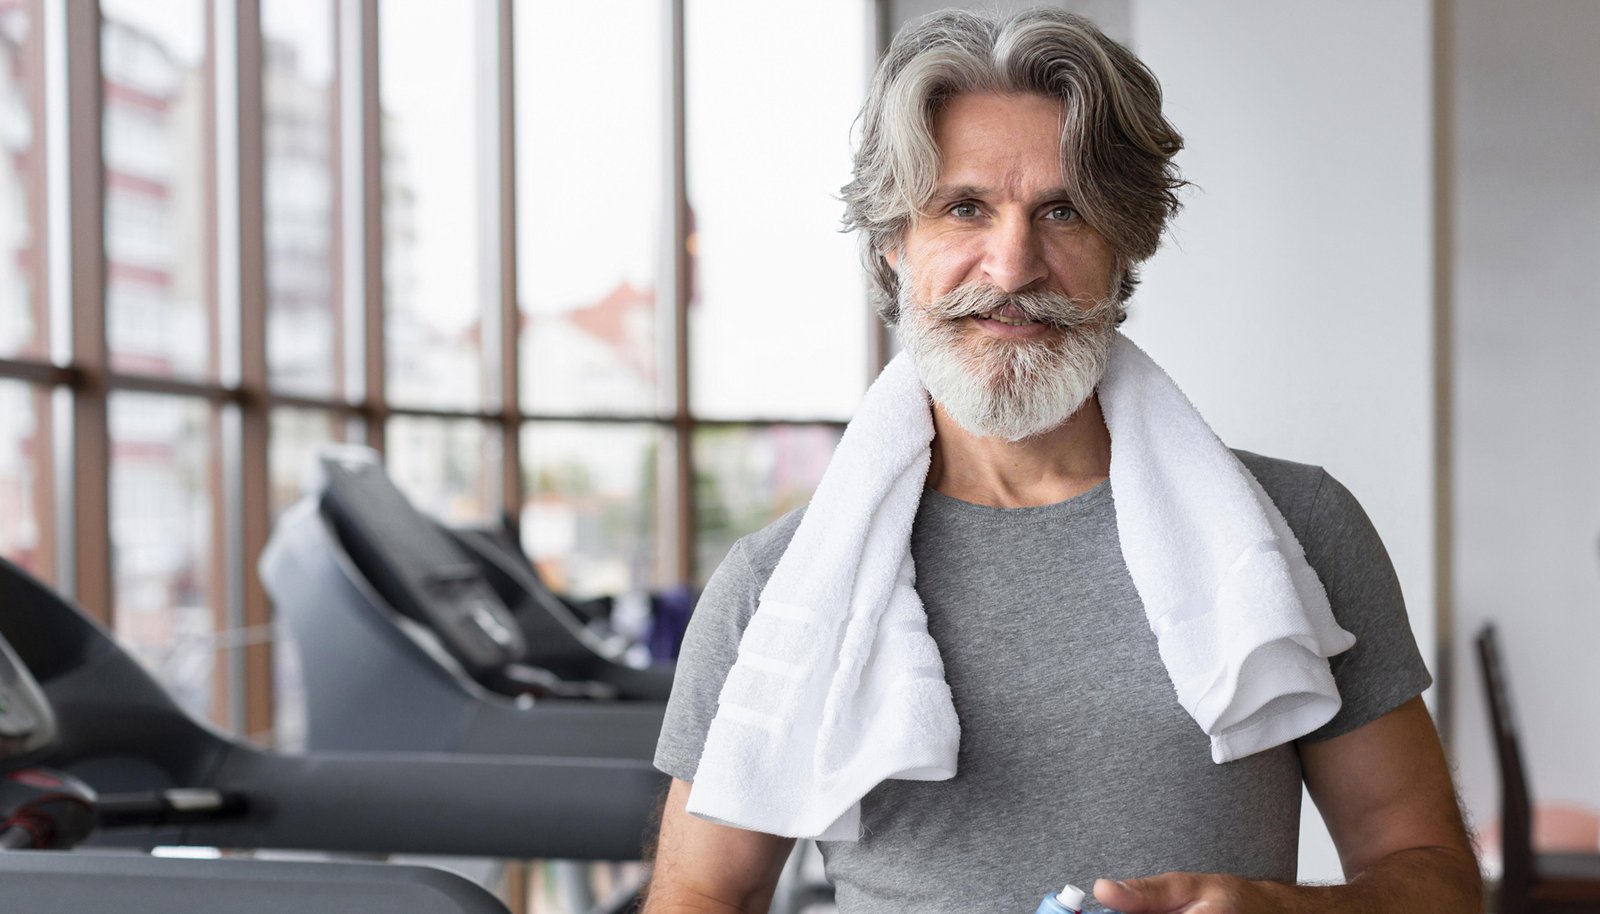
(1010, 389)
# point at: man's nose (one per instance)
(1013, 259)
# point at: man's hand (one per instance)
(1384, 790)
(1172, 893)
(704, 867)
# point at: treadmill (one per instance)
(40, 808)
(447, 624)
(118, 730)
(129, 769)
(416, 638)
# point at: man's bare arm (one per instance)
(1386, 795)
(704, 867)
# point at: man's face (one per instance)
(1005, 290)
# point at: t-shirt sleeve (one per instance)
(1384, 669)
(710, 646)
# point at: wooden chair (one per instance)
(1532, 883)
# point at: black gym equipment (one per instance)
(55, 883)
(46, 809)
(416, 638)
(118, 731)
(71, 699)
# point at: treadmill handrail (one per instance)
(436, 803)
(91, 881)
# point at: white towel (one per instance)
(838, 685)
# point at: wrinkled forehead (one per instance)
(987, 139)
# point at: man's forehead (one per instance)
(982, 129)
(999, 145)
(985, 105)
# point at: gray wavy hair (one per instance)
(1116, 147)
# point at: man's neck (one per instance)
(1043, 470)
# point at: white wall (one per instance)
(1527, 393)
(1293, 302)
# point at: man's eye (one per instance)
(1062, 213)
(964, 210)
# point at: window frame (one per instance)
(79, 377)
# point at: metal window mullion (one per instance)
(246, 297)
(509, 323)
(488, 417)
(680, 266)
(77, 289)
(336, 210)
(222, 443)
(218, 267)
(296, 401)
(369, 213)
(35, 372)
(211, 392)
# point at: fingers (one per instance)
(1169, 893)
(1132, 896)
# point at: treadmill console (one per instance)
(416, 567)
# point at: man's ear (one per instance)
(892, 258)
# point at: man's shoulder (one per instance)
(1317, 506)
(1292, 486)
(1275, 472)
(763, 548)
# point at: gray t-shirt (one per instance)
(1076, 759)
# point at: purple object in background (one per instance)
(669, 618)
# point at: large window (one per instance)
(24, 322)
(568, 265)
(157, 135)
(595, 498)
(27, 483)
(306, 330)
(592, 199)
(164, 526)
(26, 502)
(747, 476)
(778, 326)
(434, 130)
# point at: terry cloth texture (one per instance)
(1076, 759)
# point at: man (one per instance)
(1011, 177)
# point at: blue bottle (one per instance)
(1068, 901)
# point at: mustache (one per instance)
(1046, 307)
